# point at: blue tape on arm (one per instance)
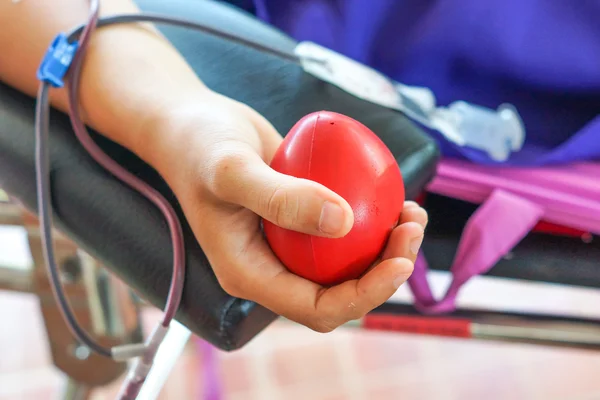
(57, 61)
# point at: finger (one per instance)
(353, 299)
(410, 204)
(257, 275)
(414, 214)
(405, 241)
(291, 203)
(324, 309)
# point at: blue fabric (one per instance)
(541, 55)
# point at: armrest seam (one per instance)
(223, 320)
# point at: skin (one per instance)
(214, 153)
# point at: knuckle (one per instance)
(230, 286)
(323, 325)
(282, 207)
(361, 290)
(322, 328)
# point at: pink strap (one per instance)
(491, 232)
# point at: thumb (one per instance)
(291, 203)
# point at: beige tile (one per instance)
(304, 365)
(235, 374)
(291, 362)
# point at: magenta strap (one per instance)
(501, 222)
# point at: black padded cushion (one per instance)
(123, 230)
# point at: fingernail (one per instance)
(415, 245)
(332, 218)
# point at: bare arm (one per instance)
(131, 73)
(214, 153)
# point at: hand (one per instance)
(216, 160)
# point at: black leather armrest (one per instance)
(123, 230)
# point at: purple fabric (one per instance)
(569, 194)
(513, 201)
(480, 247)
(542, 56)
(211, 389)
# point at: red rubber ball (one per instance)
(348, 158)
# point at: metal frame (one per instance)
(103, 305)
(531, 328)
(10, 278)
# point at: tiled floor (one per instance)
(290, 362)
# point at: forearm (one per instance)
(130, 74)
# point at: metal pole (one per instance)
(166, 358)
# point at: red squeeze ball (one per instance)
(348, 158)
